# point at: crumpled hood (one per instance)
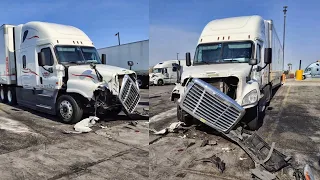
(108, 72)
(216, 70)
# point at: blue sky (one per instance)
(175, 26)
(100, 20)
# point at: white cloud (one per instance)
(166, 42)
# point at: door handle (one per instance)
(41, 80)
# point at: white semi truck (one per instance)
(166, 72)
(56, 69)
(237, 63)
(134, 56)
(312, 70)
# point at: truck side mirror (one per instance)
(253, 62)
(103, 58)
(268, 55)
(188, 59)
(41, 59)
(130, 64)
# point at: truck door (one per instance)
(262, 76)
(48, 80)
(173, 74)
(29, 75)
(166, 77)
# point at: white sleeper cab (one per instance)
(166, 72)
(56, 69)
(237, 63)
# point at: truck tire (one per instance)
(160, 82)
(3, 94)
(69, 110)
(184, 116)
(140, 83)
(11, 96)
(253, 118)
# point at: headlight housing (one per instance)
(250, 98)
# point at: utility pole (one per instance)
(118, 34)
(177, 56)
(284, 30)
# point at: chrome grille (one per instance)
(211, 106)
(129, 94)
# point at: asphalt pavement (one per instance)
(33, 145)
(292, 121)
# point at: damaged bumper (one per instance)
(211, 106)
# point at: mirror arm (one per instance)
(261, 68)
(248, 78)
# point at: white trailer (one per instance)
(56, 69)
(237, 63)
(136, 53)
(166, 72)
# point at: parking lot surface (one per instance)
(33, 145)
(292, 121)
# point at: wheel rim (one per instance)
(9, 96)
(2, 94)
(66, 109)
(139, 82)
(160, 82)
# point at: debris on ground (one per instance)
(84, 125)
(191, 144)
(216, 161)
(262, 174)
(241, 158)
(181, 175)
(184, 136)
(170, 129)
(133, 123)
(104, 127)
(204, 143)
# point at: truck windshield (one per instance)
(228, 52)
(157, 70)
(77, 55)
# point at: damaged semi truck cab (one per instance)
(56, 69)
(237, 63)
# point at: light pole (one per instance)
(177, 56)
(284, 31)
(118, 34)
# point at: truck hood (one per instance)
(216, 70)
(85, 72)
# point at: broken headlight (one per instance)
(250, 98)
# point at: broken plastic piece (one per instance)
(217, 161)
(262, 174)
(171, 128)
(85, 124)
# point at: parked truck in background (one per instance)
(238, 62)
(312, 70)
(166, 72)
(56, 69)
(136, 53)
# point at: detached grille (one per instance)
(129, 94)
(211, 106)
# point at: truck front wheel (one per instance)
(184, 116)
(69, 110)
(253, 118)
